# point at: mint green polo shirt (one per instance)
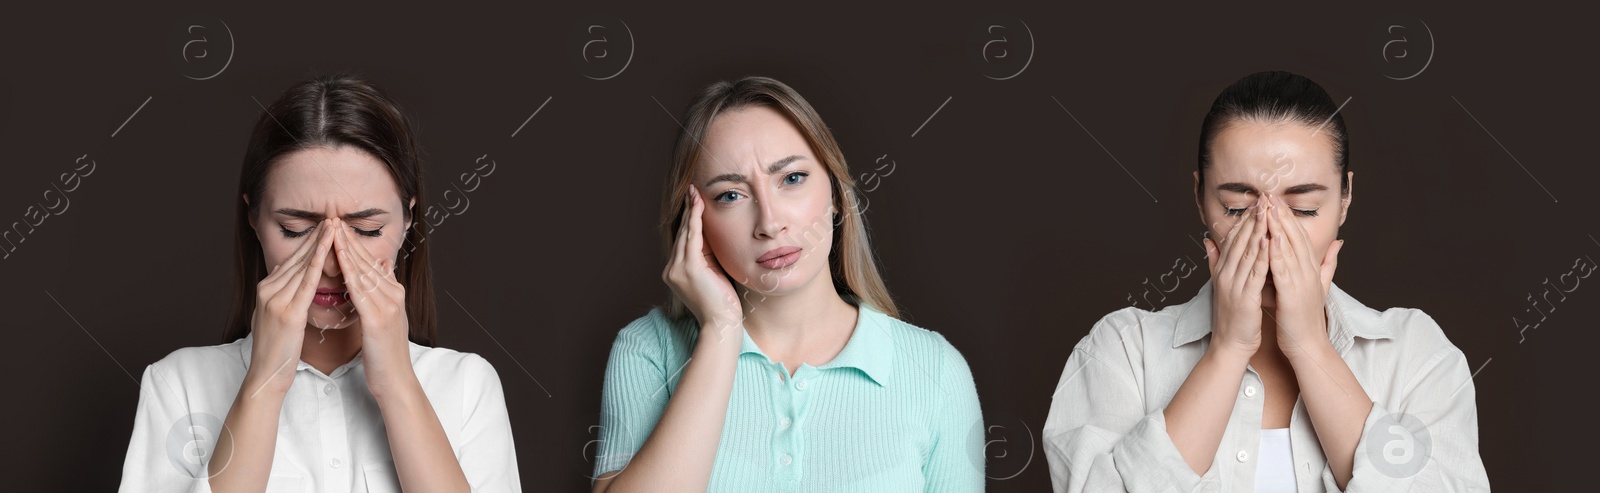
(896, 410)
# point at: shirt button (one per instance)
(801, 385)
(1250, 391)
(1243, 456)
(783, 423)
(334, 463)
(785, 460)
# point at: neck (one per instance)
(327, 350)
(814, 312)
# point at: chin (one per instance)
(778, 282)
(331, 318)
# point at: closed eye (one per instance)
(1297, 212)
(288, 233)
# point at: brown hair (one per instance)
(332, 111)
(854, 269)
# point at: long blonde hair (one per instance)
(854, 269)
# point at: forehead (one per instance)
(749, 138)
(1253, 152)
(322, 177)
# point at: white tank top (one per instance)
(1275, 469)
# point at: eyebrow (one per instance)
(1294, 190)
(317, 216)
(771, 168)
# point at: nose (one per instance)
(330, 265)
(768, 224)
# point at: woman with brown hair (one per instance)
(1271, 378)
(778, 363)
(328, 382)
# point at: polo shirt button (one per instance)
(785, 460)
(1250, 391)
(801, 385)
(1244, 456)
(334, 463)
(783, 423)
(327, 389)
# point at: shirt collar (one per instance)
(246, 346)
(870, 349)
(1347, 319)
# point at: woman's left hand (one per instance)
(1302, 281)
(380, 302)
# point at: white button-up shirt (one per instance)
(331, 436)
(1106, 430)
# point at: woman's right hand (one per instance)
(695, 276)
(1239, 267)
(279, 321)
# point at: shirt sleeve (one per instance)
(956, 462)
(487, 454)
(635, 394)
(1428, 441)
(170, 446)
(1099, 436)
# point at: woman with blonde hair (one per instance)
(778, 363)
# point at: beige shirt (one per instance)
(1106, 430)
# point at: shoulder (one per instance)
(1414, 327)
(655, 330)
(1415, 339)
(200, 373)
(1408, 333)
(203, 360)
(653, 325)
(654, 335)
(911, 336)
(450, 364)
(1132, 327)
(921, 346)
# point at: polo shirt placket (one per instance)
(331, 422)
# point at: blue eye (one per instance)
(728, 196)
(795, 178)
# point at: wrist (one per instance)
(1229, 355)
(721, 332)
(1302, 351)
(393, 386)
(263, 389)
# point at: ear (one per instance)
(1344, 202)
(248, 220)
(411, 214)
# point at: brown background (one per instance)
(1005, 225)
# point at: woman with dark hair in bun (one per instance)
(1271, 378)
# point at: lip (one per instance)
(330, 297)
(780, 257)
